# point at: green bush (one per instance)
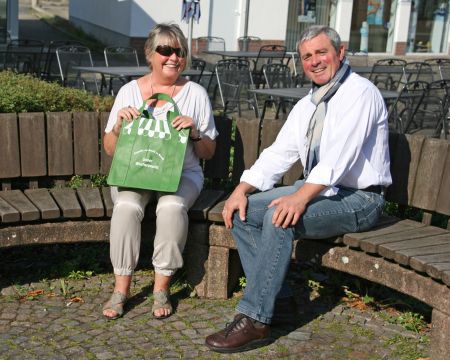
(25, 93)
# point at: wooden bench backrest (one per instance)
(420, 166)
(62, 144)
(420, 169)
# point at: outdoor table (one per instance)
(130, 71)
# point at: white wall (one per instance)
(224, 18)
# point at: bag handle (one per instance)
(160, 96)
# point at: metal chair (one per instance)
(24, 56)
(431, 116)
(388, 74)
(440, 67)
(267, 54)
(403, 109)
(50, 69)
(209, 43)
(277, 76)
(118, 56)
(70, 56)
(246, 43)
(234, 79)
(419, 70)
(197, 64)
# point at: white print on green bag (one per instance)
(153, 128)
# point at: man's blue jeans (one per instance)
(265, 250)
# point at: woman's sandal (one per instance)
(162, 301)
(116, 303)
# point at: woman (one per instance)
(166, 53)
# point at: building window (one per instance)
(372, 26)
(3, 21)
(302, 14)
(428, 26)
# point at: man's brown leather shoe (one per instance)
(241, 334)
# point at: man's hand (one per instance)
(291, 207)
(236, 202)
(288, 210)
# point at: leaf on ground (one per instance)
(30, 295)
(356, 303)
(77, 299)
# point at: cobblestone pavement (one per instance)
(38, 322)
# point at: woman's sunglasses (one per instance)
(166, 50)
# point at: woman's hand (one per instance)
(110, 139)
(128, 114)
(184, 122)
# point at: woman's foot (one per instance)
(162, 307)
(113, 308)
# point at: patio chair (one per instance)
(267, 54)
(440, 67)
(419, 70)
(403, 109)
(209, 43)
(431, 116)
(197, 64)
(388, 74)
(118, 56)
(50, 68)
(248, 43)
(70, 56)
(277, 76)
(24, 56)
(234, 79)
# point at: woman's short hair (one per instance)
(170, 33)
(316, 30)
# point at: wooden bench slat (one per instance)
(105, 159)
(59, 143)
(67, 202)
(109, 205)
(406, 155)
(86, 143)
(435, 269)
(9, 147)
(443, 201)
(206, 200)
(355, 239)
(32, 144)
(245, 145)
(8, 213)
(91, 201)
(411, 239)
(42, 199)
(419, 262)
(403, 256)
(218, 166)
(17, 199)
(429, 174)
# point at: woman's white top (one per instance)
(192, 100)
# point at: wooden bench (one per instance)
(41, 152)
(409, 256)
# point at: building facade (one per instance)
(394, 27)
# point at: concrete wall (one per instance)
(115, 21)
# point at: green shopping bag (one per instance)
(150, 153)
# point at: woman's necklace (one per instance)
(151, 87)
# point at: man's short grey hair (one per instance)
(315, 30)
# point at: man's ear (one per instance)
(341, 52)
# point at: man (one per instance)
(340, 134)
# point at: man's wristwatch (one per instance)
(198, 138)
